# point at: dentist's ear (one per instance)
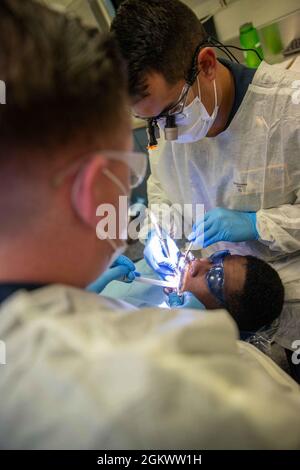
(87, 189)
(207, 62)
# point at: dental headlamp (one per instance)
(153, 131)
(171, 129)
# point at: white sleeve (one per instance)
(279, 227)
(168, 217)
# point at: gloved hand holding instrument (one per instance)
(122, 269)
(223, 225)
(161, 252)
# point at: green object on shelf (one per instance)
(272, 39)
(249, 39)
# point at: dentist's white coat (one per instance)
(254, 165)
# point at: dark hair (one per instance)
(159, 36)
(62, 79)
(261, 300)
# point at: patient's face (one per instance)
(234, 278)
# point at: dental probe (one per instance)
(159, 233)
(155, 282)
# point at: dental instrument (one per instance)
(172, 283)
(159, 233)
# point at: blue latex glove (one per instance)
(187, 300)
(224, 225)
(156, 257)
(122, 268)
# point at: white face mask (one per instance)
(195, 122)
(117, 250)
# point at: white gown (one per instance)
(252, 166)
(86, 372)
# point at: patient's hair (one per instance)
(261, 300)
(62, 79)
(156, 36)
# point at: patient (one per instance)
(249, 288)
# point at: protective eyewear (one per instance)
(171, 132)
(215, 276)
(174, 109)
(169, 115)
(136, 162)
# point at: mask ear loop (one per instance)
(123, 190)
(216, 96)
(215, 92)
(115, 180)
(199, 91)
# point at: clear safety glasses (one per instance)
(173, 110)
(215, 276)
(179, 106)
(136, 162)
(169, 115)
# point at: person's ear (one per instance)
(87, 190)
(199, 266)
(207, 62)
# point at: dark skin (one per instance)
(195, 279)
